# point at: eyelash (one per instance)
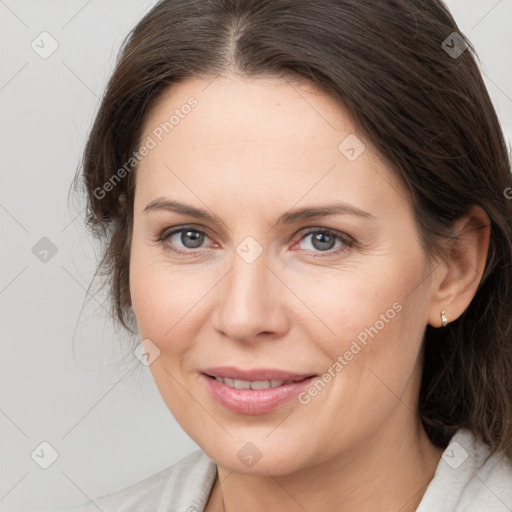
(347, 241)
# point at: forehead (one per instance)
(235, 110)
(254, 138)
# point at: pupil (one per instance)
(323, 241)
(194, 237)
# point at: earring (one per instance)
(444, 320)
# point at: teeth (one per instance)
(242, 384)
(250, 384)
(264, 384)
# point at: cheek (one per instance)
(167, 301)
(373, 353)
(167, 298)
(369, 326)
(364, 303)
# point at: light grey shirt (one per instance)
(462, 483)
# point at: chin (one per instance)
(256, 458)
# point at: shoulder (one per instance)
(466, 482)
(183, 486)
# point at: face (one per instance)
(267, 278)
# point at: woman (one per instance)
(306, 220)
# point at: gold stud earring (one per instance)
(444, 320)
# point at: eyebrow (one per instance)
(290, 217)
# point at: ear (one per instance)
(458, 276)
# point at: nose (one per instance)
(251, 302)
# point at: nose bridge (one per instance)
(249, 301)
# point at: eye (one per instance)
(184, 239)
(325, 240)
(188, 238)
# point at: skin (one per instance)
(251, 150)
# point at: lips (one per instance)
(256, 391)
(253, 401)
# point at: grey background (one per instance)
(67, 377)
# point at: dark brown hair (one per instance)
(425, 109)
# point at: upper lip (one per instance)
(255, 374)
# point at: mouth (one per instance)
(253, 392)
(255, 384)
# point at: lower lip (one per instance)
(254, 401)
